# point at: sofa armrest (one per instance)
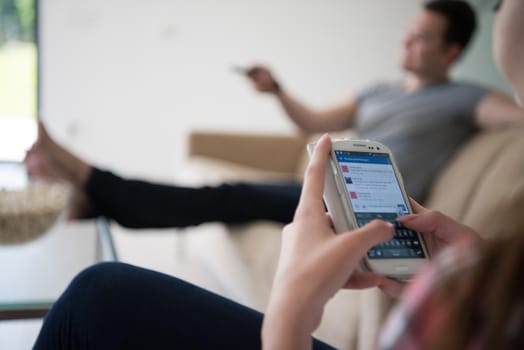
(275, 153)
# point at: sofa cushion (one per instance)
(198, 171)
(483, 185)
(261, 151)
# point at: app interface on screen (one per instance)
(374, 193)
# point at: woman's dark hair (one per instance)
(461, 19)
(486, 299)
(497, 5)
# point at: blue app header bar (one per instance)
(362, 157)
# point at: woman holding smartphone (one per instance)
(471, 296)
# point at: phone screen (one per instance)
(374, 193)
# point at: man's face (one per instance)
(424, 48)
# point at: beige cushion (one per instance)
(199, 171)
(483, 186)
(266, 152)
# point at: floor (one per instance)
(41, 270)
(167, 251)
(18, 335)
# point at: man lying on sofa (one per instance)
(426, 114)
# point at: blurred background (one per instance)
(122, 82)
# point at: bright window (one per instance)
(18, 77)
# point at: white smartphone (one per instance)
(362, 183)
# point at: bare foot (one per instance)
(66, 163)
(39, 165)
(49, 161)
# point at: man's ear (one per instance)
(453, 52)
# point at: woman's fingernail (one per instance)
(406, 218)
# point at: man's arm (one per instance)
(336, 118)
(497, 110)
(339, 117)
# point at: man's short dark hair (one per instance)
(461, 19)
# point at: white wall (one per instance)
(123, 81)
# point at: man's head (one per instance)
(438, 36)
(460, 18)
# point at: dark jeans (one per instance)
(119, 306)
(140, 204)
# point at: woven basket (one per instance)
(28, 213)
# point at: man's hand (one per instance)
(262, 79)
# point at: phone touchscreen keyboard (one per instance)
(404, 245)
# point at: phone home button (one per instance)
(400, 268)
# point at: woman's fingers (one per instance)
(417, 207)
(313, 188)
(440, 226)
(356, 243)
(363, 280)
(391, 287)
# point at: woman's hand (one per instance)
(315, 262)
(438, 231)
